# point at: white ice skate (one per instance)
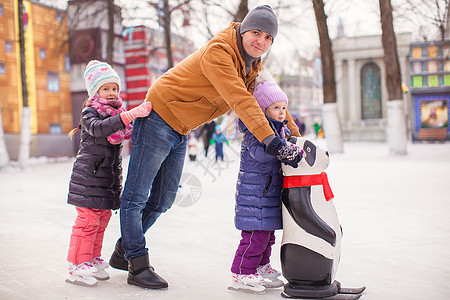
(83, 274)
(270, 276)
(251, 283)
(100, 265)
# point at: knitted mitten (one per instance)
(140, 111)
(288, 154)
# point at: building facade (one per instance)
(305, 92)
(47, 68)
(361, 88)
(430, 90)
(88, 23)
(146, 59)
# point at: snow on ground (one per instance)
(393, 210)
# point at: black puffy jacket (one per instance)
(96, 180)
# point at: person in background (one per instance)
(301, 126)
(219, 138)
(258, 195)
(318, 130)
(206, 133)
(217, 77)
(96, 180)
(192, 145)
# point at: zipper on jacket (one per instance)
(269, 181)
(97, 165)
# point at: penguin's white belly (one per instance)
(294, 234)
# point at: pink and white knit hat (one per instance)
(97, 74)
(267, 91)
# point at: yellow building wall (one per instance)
(50, 34)
(47, 32)
(10, 96)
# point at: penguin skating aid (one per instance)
(311, 244)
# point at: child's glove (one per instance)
(140, 111)
(288, 154)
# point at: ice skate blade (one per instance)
(82, 283)
(248, 289)
(335, 297)
(102, 275)
(345, 290)
(272, 284)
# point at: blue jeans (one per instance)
(154, 172)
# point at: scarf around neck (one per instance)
(107, 108)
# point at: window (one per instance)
(370, 92)
(2, 68)
(8, 46)
(417, 67)
(58, 16)
(52, 81)
(67, 63)
(55, 128)
(1, 9)
(42, 53)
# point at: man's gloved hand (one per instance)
(140, 111)
(288, 154)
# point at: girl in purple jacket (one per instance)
(258, 192)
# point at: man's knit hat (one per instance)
(267, 91)
(97, 74)
(261, 18)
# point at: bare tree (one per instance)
(82, 13)
(111, 34)
(429, 14)
(330, 116)
(25, 127)
(165, 12)
(396, 130)
(326, 51)
(242, 11)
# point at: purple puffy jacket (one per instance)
(258, 188)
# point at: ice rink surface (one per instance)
(394, 211)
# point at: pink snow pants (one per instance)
(87, 234)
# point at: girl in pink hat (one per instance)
(258, 194)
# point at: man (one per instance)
(214, 79)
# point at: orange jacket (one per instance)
(207, 84)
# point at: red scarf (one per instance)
(309, 180)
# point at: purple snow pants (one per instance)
(253, 251)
